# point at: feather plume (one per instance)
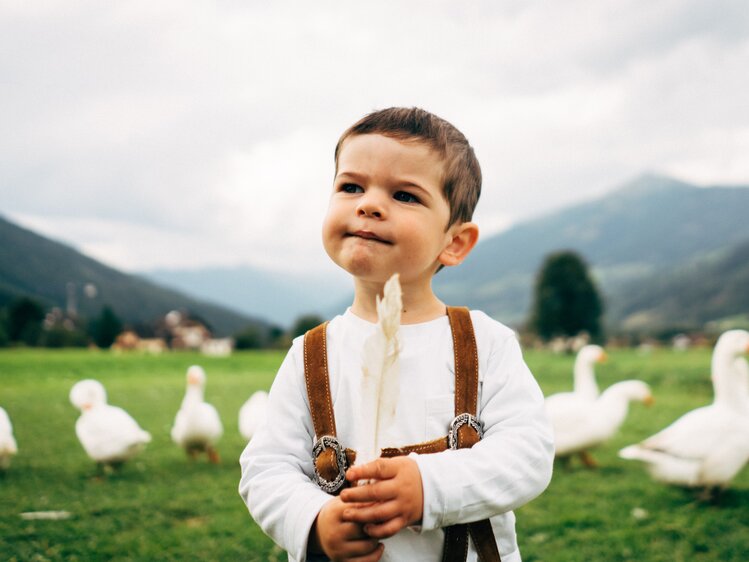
(380, 386)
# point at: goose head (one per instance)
(591, 354)
(195, 377)
(87, 393)
(634, 390)
(732, 343)
(620, 394)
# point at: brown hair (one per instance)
(462, 173)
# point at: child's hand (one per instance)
(394, 500)
(340, 539)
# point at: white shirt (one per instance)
(511, 465)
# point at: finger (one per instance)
(373, 556)
(375, 513)
(360, 548)
(379, 491)
(385, 529)
(378, 469)
(353, 531)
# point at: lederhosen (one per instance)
(332, 460)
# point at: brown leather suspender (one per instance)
(331, 459)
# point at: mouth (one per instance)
(367, 235)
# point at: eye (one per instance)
(405, 197)
(350, 188)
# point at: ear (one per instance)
(463, 238)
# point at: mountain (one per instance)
(34, 266)
(647, 227)
(283, 297)
(711, 288)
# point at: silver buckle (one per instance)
(330, 442)
(458, 422)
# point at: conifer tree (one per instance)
(566, 300)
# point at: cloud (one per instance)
(188, 133)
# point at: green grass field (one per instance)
(163, 507)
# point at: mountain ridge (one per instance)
(44, 269)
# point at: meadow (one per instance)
(161, 506)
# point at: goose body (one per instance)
(707, 446)
(108, 434)
(197, 425)
(581, 424)
(252, 414)
(8, 446)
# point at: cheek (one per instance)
(330, 228)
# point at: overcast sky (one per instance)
(184, 134)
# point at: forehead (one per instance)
(380, 155)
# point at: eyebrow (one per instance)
(353, 175)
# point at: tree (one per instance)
(304, 323)
(249, 338)
(25, 320)
(566, 300)
(105, 328)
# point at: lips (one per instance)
(368, 235)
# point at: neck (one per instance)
(193, 394)
(420, 304)
(730, 380)
(585, 379)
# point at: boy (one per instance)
(405, 188)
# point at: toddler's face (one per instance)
(387, 213)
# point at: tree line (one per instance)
(25, 321)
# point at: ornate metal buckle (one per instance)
(330, 442)
(458, 422)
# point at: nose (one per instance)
(371, 204)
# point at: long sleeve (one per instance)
(277, 464)
(511, 465)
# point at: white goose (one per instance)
(252, 414)
(109, 434)
(581, 424)
(8, 446)
(197, 426)
(708, 446)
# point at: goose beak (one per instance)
(603, 357)
(649, 400)
(86, 407)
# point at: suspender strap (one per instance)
(318, 383)
(466, 401)
(483, 539)
(331, 460)
(466, 360)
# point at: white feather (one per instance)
(379, 386)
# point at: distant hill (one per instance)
(283, 297)
(35, 266)
(713, 287)
(650, 226)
